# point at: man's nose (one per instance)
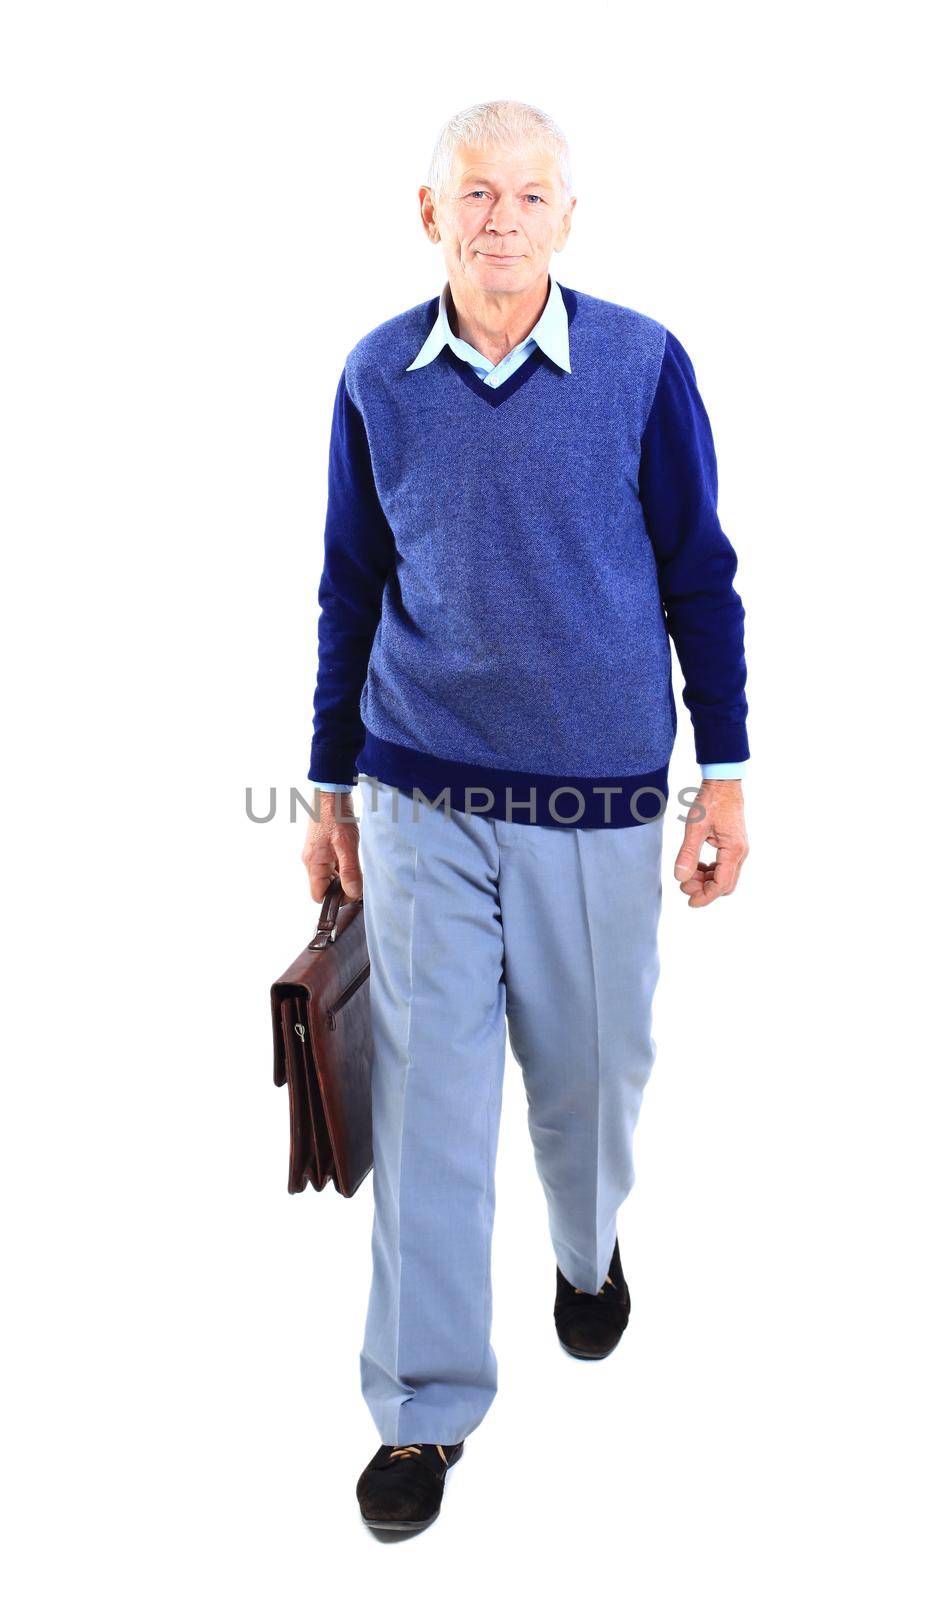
(502, 218)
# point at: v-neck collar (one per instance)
(536, 359)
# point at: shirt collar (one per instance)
(551, 332)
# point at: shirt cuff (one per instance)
(723, 769)
(333, 788)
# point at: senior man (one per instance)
(521, 511)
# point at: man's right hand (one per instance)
(330, 847)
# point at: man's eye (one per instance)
(533, 197)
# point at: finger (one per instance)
(687, 860)
(736, 876)
(348, 866)
(693, 885)
(725, 868)
(319, 859)
(345, 842)
(730, 858)
(699, 876)
(744, 852)
(706, 895)
(319, 878)
(699, 881)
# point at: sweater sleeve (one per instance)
(359, 552)
(696, 561)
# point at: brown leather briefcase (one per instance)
(324, 1049)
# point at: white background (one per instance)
(205, 206)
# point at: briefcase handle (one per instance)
(330, 905)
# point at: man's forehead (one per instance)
(523, 165)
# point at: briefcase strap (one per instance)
(327, 926)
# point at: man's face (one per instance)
(503, 216)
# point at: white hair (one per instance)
(498, 124)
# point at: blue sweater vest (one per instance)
(503, 568)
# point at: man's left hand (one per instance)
(722, 825)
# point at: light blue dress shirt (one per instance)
(551, 333)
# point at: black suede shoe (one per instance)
(400, 1490)
(590, 1326)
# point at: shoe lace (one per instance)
(602, 1290)
(404, 1451)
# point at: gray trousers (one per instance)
(480, 929)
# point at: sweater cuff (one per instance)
(334, 763)
(720, 742)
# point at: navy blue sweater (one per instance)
(503, 569)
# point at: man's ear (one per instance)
(427, 213)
